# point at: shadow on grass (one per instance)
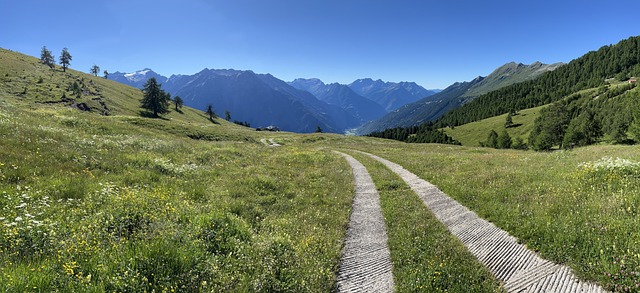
(148, 114)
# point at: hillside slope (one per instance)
(619, 61)
(342, 96)
(27, 82)
(434, 106)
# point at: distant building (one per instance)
(268, 128)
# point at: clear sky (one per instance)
(431, 42)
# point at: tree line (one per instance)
(589, 71)
(565, 123)
(424, 133)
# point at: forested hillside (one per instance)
(433, 107)
(593, 99)
(619, 61)
(609, 113)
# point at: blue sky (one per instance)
(433, 43)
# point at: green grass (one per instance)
(577, 207)
(119, 202)
(96, 203)
(472, 134)
(426, 257)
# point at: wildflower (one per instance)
(18, 219)
(22, 205)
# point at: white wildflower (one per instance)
(18, 219)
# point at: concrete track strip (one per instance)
(365, 265)
(520, 269)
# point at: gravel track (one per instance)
(365, 264)
(520, 269)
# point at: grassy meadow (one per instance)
(473, 133)
(97, 201)
(577, 207)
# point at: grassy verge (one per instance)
(426, 257)
(579, 208)
(92, 204)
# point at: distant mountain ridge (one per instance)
(138, 78)
(342, 96)
(390, 95)
(298, 106)
(259, 99)
(435, 106)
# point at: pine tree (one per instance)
(210, 112)
(318, 129)
(47, 58)
(95, 69)
(504, 140)
(65, 59)
(227, 115)
(492, 139)
(509, 121)
(179, 102)
(106, 74)
(155, 99)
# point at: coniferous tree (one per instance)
(106, 74)
(210, 112)
(95, 69)
(47, 58)
(155, 99)
(227, 115)
(582, 131)
(65, 59)
(504, 140)
(178, 102)
(318, 129)
(518, 144)
(508, 121)
(492, 139)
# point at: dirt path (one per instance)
(271, 142)
(365, 265)
(520, 269)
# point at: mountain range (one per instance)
(433, 107)
(302, 105)
(390, 95)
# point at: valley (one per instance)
(101, 198)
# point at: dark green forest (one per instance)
(574, 119)
(424, 133)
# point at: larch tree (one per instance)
(95, 69)
(65, 59)
(155, 99)
(178, 102)
(210, 112)
(47, 58)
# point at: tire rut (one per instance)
(520, 269)
(365, 264)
